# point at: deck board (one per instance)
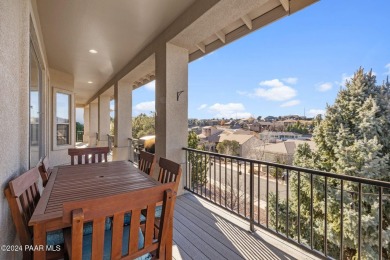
(203, 230)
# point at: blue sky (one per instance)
(293, 65)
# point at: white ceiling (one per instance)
(118, 30)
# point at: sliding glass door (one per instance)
(36, 140)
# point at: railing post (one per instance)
(109, 142)
(252, 196)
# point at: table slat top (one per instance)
(88, 181)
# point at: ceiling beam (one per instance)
(248, 22)
(258, 22)
(285, 4)
(221, 36)
(201, 47)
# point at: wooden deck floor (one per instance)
(205, 231)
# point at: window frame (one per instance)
(71, 119)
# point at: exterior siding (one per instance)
(14, 100)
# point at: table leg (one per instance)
(40, 241)
(169, 245)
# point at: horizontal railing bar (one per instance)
(305, 170)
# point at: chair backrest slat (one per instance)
(44, 170)
(22, 195)
(97, 210)
(117, 228)
(149, 228)
(92, 152)
(133, 245)
(98, 237)
(146, 162)
(46, 165)
(169, 172)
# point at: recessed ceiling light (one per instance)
(93, 51)
(90, 82)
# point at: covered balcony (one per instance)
(57, 56)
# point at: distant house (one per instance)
(289, 122)
(209, 130)
(247, 142)
(282, 152)
(272, 137)
(195, 129)
(209, 137)
(260, 126)
(270, 118)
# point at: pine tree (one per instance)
(198, 162)
(352, 139)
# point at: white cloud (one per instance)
(291, 103)
(276, 91)
(148, 106)
(290, 80)
(203, 106)
(344, 78)
(325, 87)
(151, 85)
(229, 110)
(314, 112)
(388, 69)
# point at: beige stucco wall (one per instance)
(63, 81)
(14, 67)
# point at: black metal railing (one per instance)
(294, 202)
(79, 136)
(135, 146)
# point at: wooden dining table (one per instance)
(79, 182)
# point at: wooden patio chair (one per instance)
(97, 154)
(121, 241)
(44, 170)
(169, 172)
(146, 162)
(23, 195)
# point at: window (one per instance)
(62, 119)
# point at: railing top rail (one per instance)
(362, 180)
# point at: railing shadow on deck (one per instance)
(202, 230)
(280, 199)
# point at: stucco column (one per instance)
(122, 122)
(104, 119)
(86, 125)
(172, 104)
(93, 123)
